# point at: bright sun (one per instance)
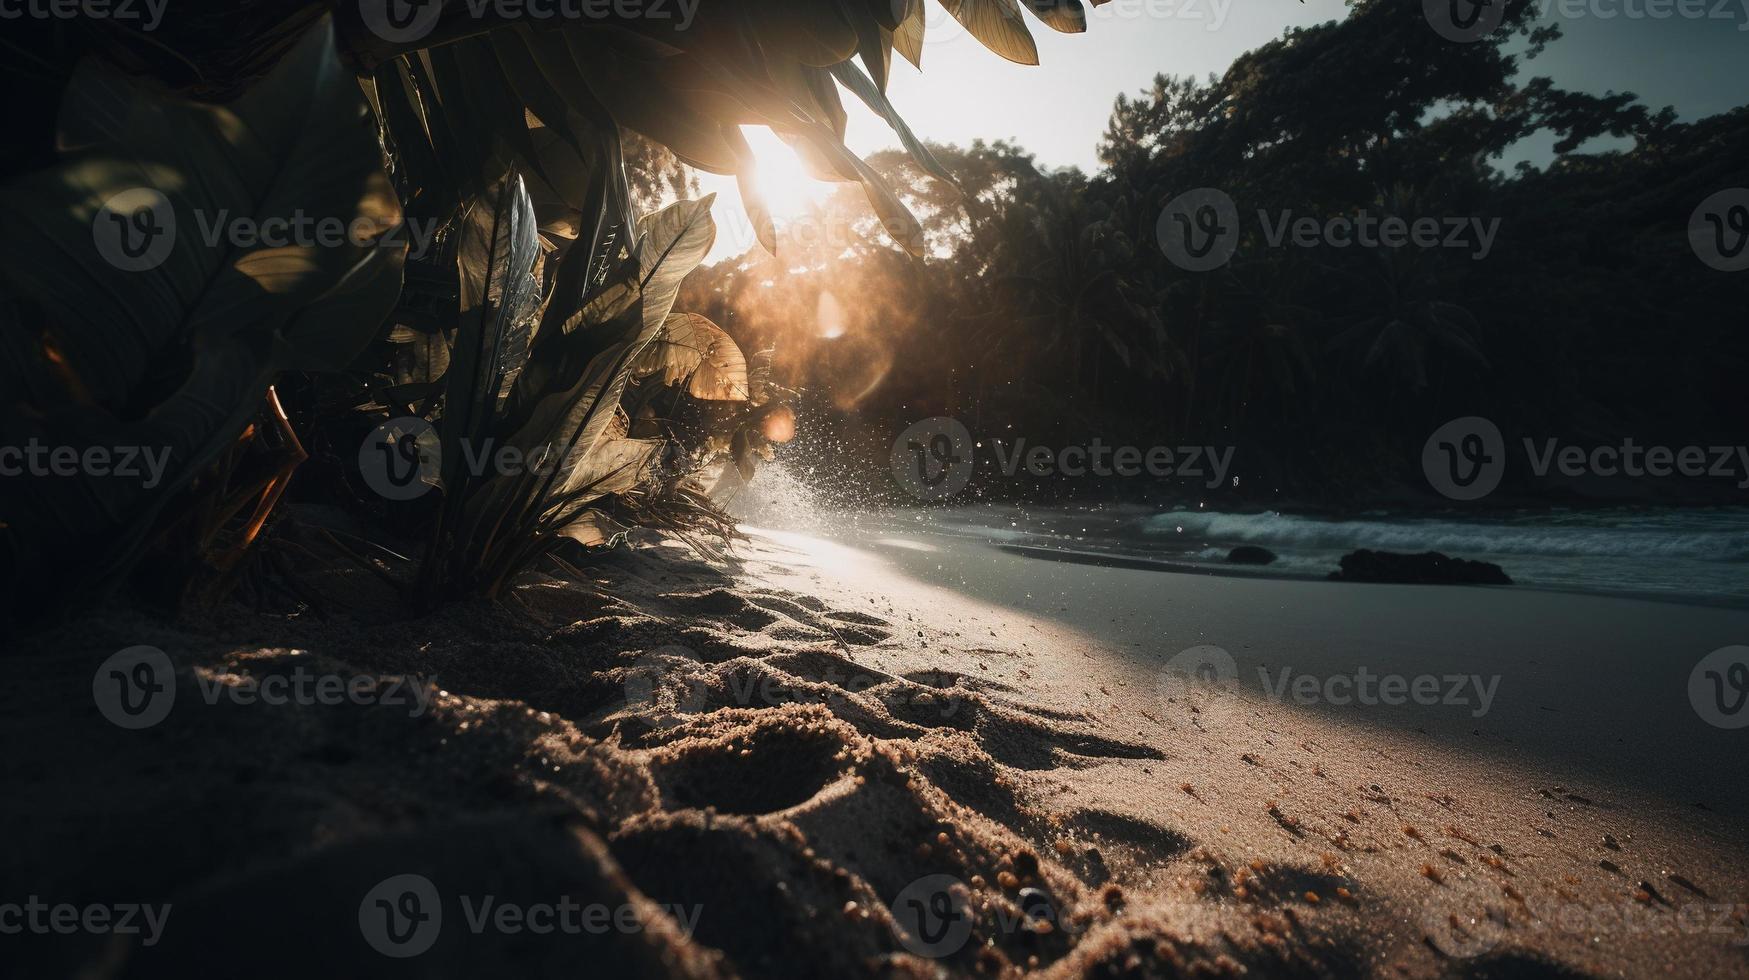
(785, 184)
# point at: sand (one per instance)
(887, 755)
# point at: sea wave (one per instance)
(1724, 538)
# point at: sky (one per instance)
(1058, 109)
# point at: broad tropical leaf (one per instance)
(164, 318)
(1065, 16)
(694, 350)
(998, 25)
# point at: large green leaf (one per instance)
(998, 25)
(172, 348)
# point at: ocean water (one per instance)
(1698, 553)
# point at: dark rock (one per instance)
(1427, 568)
(1250, 554)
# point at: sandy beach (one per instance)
(557, 488)
(894, 754)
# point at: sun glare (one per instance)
(784, 182)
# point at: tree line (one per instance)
(1562, 300)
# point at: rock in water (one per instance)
(1427, 568)
(1250, 554)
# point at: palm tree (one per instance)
(1403, 321)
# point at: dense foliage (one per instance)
(418, 222)
(1048, 311)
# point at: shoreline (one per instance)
(1252, 572)
(808, 742)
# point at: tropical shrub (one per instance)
(539, 317)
